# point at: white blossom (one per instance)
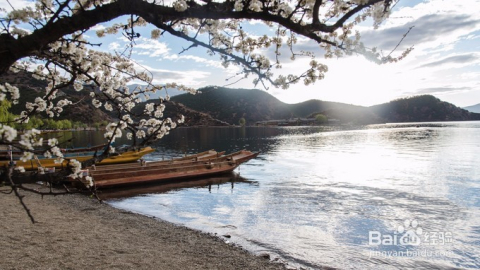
(89, 181)
(29, 139)
(76, 168)
(181, 120)
(56, 151)
(72, 60)
(96, 103)
(238, 5)
(155, 33)
(7, 133)
(255, 5)
(52, 142)
(180, 5)
(20, 169)
(26, 156)
(141, 134)
(108, 106)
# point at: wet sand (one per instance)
(78, 232)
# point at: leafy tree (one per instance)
(321, 119)
(5, 115)
(49, 39)
(35, 122)
(66, 124)
(50, 124)
(242, 122)
(79, 125)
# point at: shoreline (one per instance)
(78, 232)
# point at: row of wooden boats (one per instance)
(203, 164)
(128, 168)
(81, 155)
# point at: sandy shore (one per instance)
(78, 232)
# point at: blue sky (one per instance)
(445, 61)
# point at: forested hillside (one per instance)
(82, 109)
(230, 105)
(223, 106)
(422, 109)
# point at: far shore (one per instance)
(78, 232)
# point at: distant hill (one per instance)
(171, 91)
(230, 105)
(224, 106)
(422, 109)
(473, 108)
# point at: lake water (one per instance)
(391, 196)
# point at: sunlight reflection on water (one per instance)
(313, 195)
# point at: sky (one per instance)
(445, 61)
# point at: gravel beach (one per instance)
(78, 232)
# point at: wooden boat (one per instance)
(161, 187)
(125, 157)
(211, 156)
(170, 172)
(207, 155)
(83, 149)
(67, 152)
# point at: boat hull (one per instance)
(144, 174)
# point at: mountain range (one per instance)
(473, 108)
(230, 105)
(215, 106)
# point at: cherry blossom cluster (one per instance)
(237, 47)
(70, 60)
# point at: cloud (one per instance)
(114, 46)
(97, 27)
(456, 59)
(207, 62)
(438, 90)
(436, 24)
(428, 28)
(187, 77)
(151, 47)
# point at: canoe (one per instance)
(150, 188)
(170, 172)
(207, 155)
(67, 152)
(125, 157)
(83, 149)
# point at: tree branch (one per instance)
(20, 197)
(12, 49)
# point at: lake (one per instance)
(390, 196)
